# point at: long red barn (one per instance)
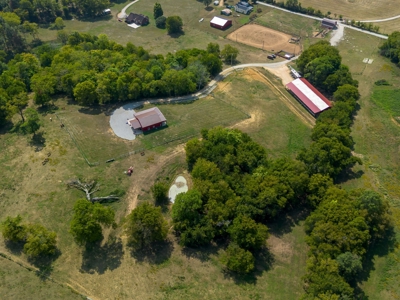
(308, 96)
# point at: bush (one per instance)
(382, 82)
(40, 241)
(12, 230)
(259, 10)
(253, 17)
(159, 191)
(160, 22)
(237, 259)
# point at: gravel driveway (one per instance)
(118, 121)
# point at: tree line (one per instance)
(391, 48)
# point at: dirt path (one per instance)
(282, 72)
(337, 35)
(148, 174)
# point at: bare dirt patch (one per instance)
(264, 38)
(282, 72)
(282, 250)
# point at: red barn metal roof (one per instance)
(150, 117)
(309, 95)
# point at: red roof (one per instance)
(309, 95)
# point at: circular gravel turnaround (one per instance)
(180, 186)
(118, 121)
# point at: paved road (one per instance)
(319, 19)
(381, 20)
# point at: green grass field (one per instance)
(184, 122)
(196, 34)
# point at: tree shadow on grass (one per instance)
(97, 110)
(380, 248)
(202, 253)
(156, 253)
(176, 35)
(98, 259)
(15, 248)
(44, 264)
(49, 108)
(38, 140)
(284, 223)
(347, 175)
(264, 261)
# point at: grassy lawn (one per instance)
(39, 194)
(272, 124)
(184, 122)
(356, 9)
(376, 135)
(196, 34)
(19, 283)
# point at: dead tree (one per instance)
(90, 188)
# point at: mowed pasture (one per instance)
(356, 9)
(39, 193)
(91, 133)
(264, 38)
(195, 34)
(376, 135)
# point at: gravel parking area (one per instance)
(118, 121)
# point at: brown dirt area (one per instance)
(282, 72)
(264, 38)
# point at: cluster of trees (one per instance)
(236, 190)
(94, 70)
(391, 47)
(143, 226)
(46, 11)
(37, 240)
(367, 26)
(343, 224)
(321, 65)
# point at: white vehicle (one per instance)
(201, 20)
(216, 2)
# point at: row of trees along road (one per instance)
(94, 70)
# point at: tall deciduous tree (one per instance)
(145, 225)
(88, 219)
(85, 93)
(207, 2)
(174, 24)
(247, 233)
(159, 191)
(32, 123)
(229, 53)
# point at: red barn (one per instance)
(148, 119)
(220, 23)
(308, 96)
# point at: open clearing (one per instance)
(264, 38)
(357, 9)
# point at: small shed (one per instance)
(226, 12)
(328, 23)
(220, 23)
(138, 19)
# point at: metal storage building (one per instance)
(308, 96)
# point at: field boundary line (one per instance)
(37, 271)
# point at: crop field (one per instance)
(264, 38)
(356, 9)
(92, 135)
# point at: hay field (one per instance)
(264, 38)
(357, 9)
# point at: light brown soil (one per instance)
(282, 250)
(264, 38)
(282, 72)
